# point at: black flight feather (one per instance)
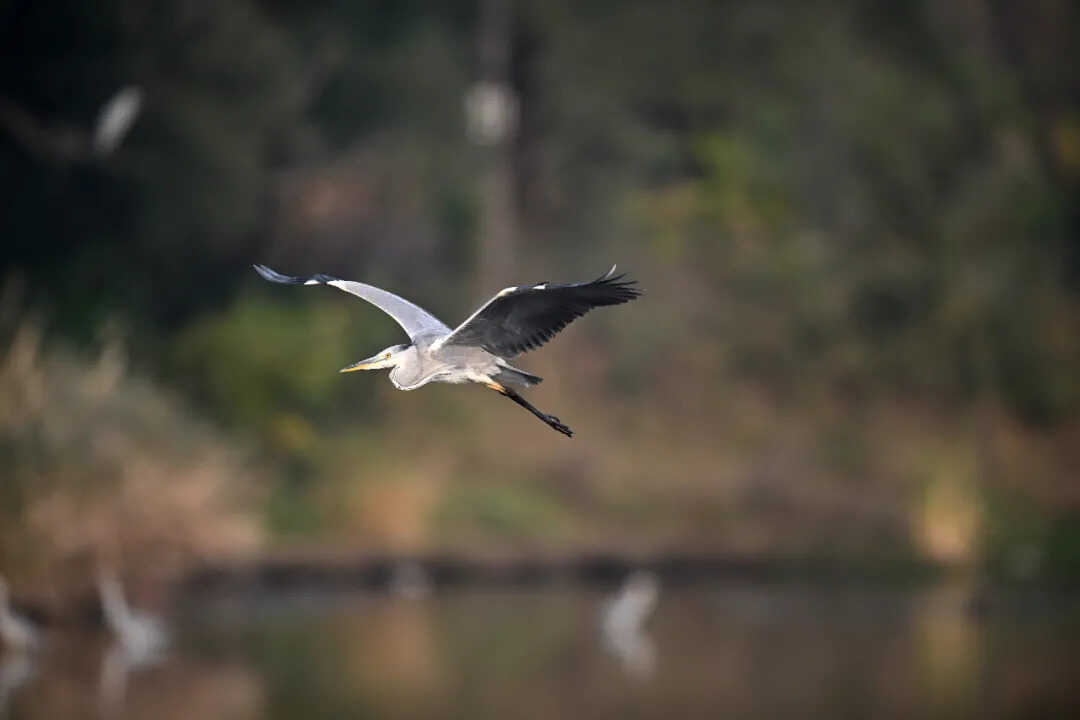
(526, 317)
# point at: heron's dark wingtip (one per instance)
(617, 289)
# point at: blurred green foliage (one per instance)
(260, 359)
(1030, 540)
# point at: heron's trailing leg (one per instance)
(550, 420)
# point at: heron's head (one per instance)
(383, 359)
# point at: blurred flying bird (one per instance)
(516, 320)
(66, 143)
(17, 632)
(116, 118)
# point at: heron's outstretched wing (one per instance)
(523, 318)
(413, 319)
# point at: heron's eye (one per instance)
(387, 356)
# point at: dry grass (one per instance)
(104, 466)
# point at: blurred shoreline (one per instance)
(374, 571)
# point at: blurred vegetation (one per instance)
(856, 223)
(105, 467)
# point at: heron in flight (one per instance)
(516, 320)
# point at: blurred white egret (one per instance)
(16, 631)
(116, 118)
(141, 634)
(622, 623)
(491, 113)
(141, 640)
(409, 581)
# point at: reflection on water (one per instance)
(764, 650)
(140, 641)
(16, 669)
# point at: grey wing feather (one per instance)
(412, 318)
(519, 319)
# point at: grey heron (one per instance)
(515, 320)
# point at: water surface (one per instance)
(768, 650)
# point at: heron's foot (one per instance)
(550, 420)
(556, 424)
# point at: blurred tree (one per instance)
(835, 204)
(146, 232)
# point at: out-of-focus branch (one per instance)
(60, 144)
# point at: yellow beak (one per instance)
(372, 363)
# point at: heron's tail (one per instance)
(514, 376)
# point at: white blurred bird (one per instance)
(141, 634)
(16, 631)
(141, 640)
(116, 118)
(622, 623)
